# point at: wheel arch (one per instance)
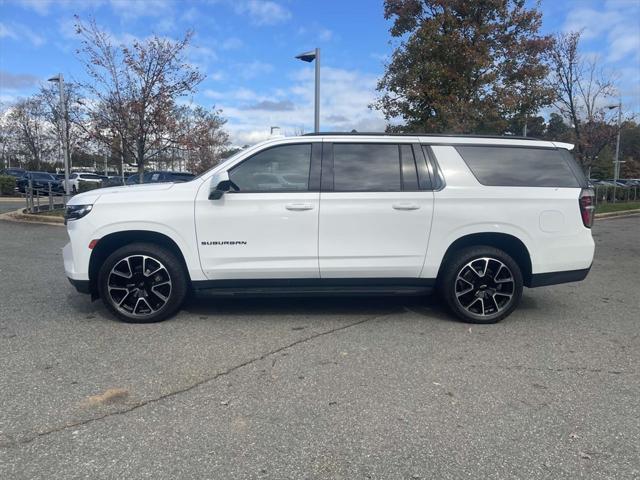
(512, 245)
(111, 242)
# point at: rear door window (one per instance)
(366, 167)
(518, 166)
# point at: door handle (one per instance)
(299, 207)
(405, 206)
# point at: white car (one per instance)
(479, 217)
(74, 180)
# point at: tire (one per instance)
(142, 283)
(481, 284)
(74, 190)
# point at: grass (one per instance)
(53, 213)
(616, 207)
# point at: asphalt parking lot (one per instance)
(319, 388)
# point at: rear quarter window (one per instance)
(519, 166)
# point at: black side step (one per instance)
(317, 287)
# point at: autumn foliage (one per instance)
(463, 66)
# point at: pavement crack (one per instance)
(136, 406)
(559, 370)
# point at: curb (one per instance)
(622, 213)
(12, 199)
(20, 217)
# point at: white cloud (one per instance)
(611, 33)
(190, 15)
(617, 21)
(134, 9)
(216, 76)
(12, 81)
(127, 9)
(253, 69)
(325, 35)
(18, 31)
(345, 99)
(263, 12)
(315, 33)
(231, 43)
(41, 7)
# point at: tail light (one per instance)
(587, 206)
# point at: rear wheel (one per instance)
(481, 284)
(142, 283)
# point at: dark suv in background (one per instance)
(40, 181)
(13, 172)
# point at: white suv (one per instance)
(478, 217)
(75, 178)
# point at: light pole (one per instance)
(617, 162)
(63, 129)
(310, 57)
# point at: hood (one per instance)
(92, 196)
(144, 187)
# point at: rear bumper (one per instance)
(554, 278)
(81, 286)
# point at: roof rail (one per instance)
(387, 134)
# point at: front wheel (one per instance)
(481, 284)
(142, 283)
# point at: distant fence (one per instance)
(41, 199)
(606, 193)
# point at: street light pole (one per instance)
(310, 57)
(316, 123)
(617, 162)
(63, 129)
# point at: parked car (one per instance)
(479, 217)
(132, 179)
(13, 172)
(74, 179)
(40, 181)
(114, 181)
(160, 177)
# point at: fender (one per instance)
(185, 242)
(440, 243)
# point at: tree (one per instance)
(7, 139)
(27, 124)
(557, 129)
(535, 126)
(630, 150)
(583, 94)
(134, 91)
(464, 66)
(202, 137)
(74, 120)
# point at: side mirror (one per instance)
(222, 185)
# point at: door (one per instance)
(375, 210)
(268, 228)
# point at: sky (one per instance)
(246, 49)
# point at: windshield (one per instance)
(225, 161)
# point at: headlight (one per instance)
(74, 212)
